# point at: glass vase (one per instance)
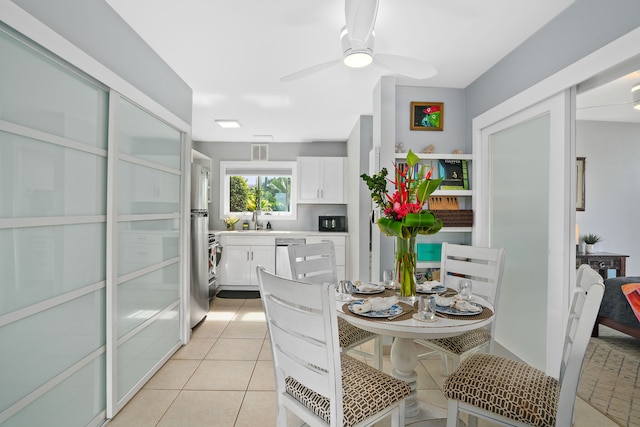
(406, 266)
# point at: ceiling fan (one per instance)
(357, 38)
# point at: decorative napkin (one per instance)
(374, 304)
(457, 303)
(427, 286)
(367, 287)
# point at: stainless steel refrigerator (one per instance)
(200, 178)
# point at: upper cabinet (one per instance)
(321, 179)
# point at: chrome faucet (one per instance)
(254, 219)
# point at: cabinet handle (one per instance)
(251, 255)
(247, 255)
(321, 193)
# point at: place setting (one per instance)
(459, 305)
(378, 308)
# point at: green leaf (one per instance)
(426, 188)
(412, 158)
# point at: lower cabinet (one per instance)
(240, 257)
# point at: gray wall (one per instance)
(612, 185)
(241, 151)
(359, 144)
(94, 27)
(582, 28)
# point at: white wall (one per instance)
(359, 145)
(612, 184)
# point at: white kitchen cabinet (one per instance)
(340, 244)
(321, 179)
(240, 257)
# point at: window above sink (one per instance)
(269, 187)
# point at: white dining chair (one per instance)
(484, 267)
(316, 263)
(513, 393)
(314, 380)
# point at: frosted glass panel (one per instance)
(145, 136)
(38, 263)
(143, 190)
(144, 243)
(141, 353)
(39, 93)
(37, 348)
(40, 179)
(144, 297)
(520, 210)
(74, 402)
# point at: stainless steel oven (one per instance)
(215, 253)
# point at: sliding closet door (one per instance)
(145, 297)
(92, 269)
(53, 162)
(524, 184)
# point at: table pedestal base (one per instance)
(404, 359)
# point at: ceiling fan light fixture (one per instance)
(357, 59)
(635, 94)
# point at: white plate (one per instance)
(434, 290)
(391, 311)
(381, 288)
(454, 312)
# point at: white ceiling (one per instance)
(232, 53)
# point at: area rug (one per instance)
(238, 294)
(610, 380)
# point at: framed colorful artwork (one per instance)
(427, 115)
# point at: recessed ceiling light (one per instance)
(228, 123)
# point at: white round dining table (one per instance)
(404, 355)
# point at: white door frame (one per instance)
(597, 62)
(559, 214)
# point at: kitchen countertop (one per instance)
(277, 233)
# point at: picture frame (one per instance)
(580, 187)
(427, 116)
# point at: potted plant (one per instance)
(590, 240)
(231, 222)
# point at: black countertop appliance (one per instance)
(332, 223)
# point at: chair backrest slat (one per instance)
(582, 315)
(484, 266)
(303, 328)
(313, 262)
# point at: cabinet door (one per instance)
(264, 256)
(332, 188)
(236, 266)
(309, 176)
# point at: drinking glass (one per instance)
(465, 289)
(427, 307)
(387, 278)
(344, 291)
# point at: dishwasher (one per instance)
(283, 268)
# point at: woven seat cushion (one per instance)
(349, 334)
(366, 391)
(505, 387)
(465, 342)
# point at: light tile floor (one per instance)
(224, 378)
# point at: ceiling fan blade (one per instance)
(410, 67)
(360, 17)
(308, 71)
